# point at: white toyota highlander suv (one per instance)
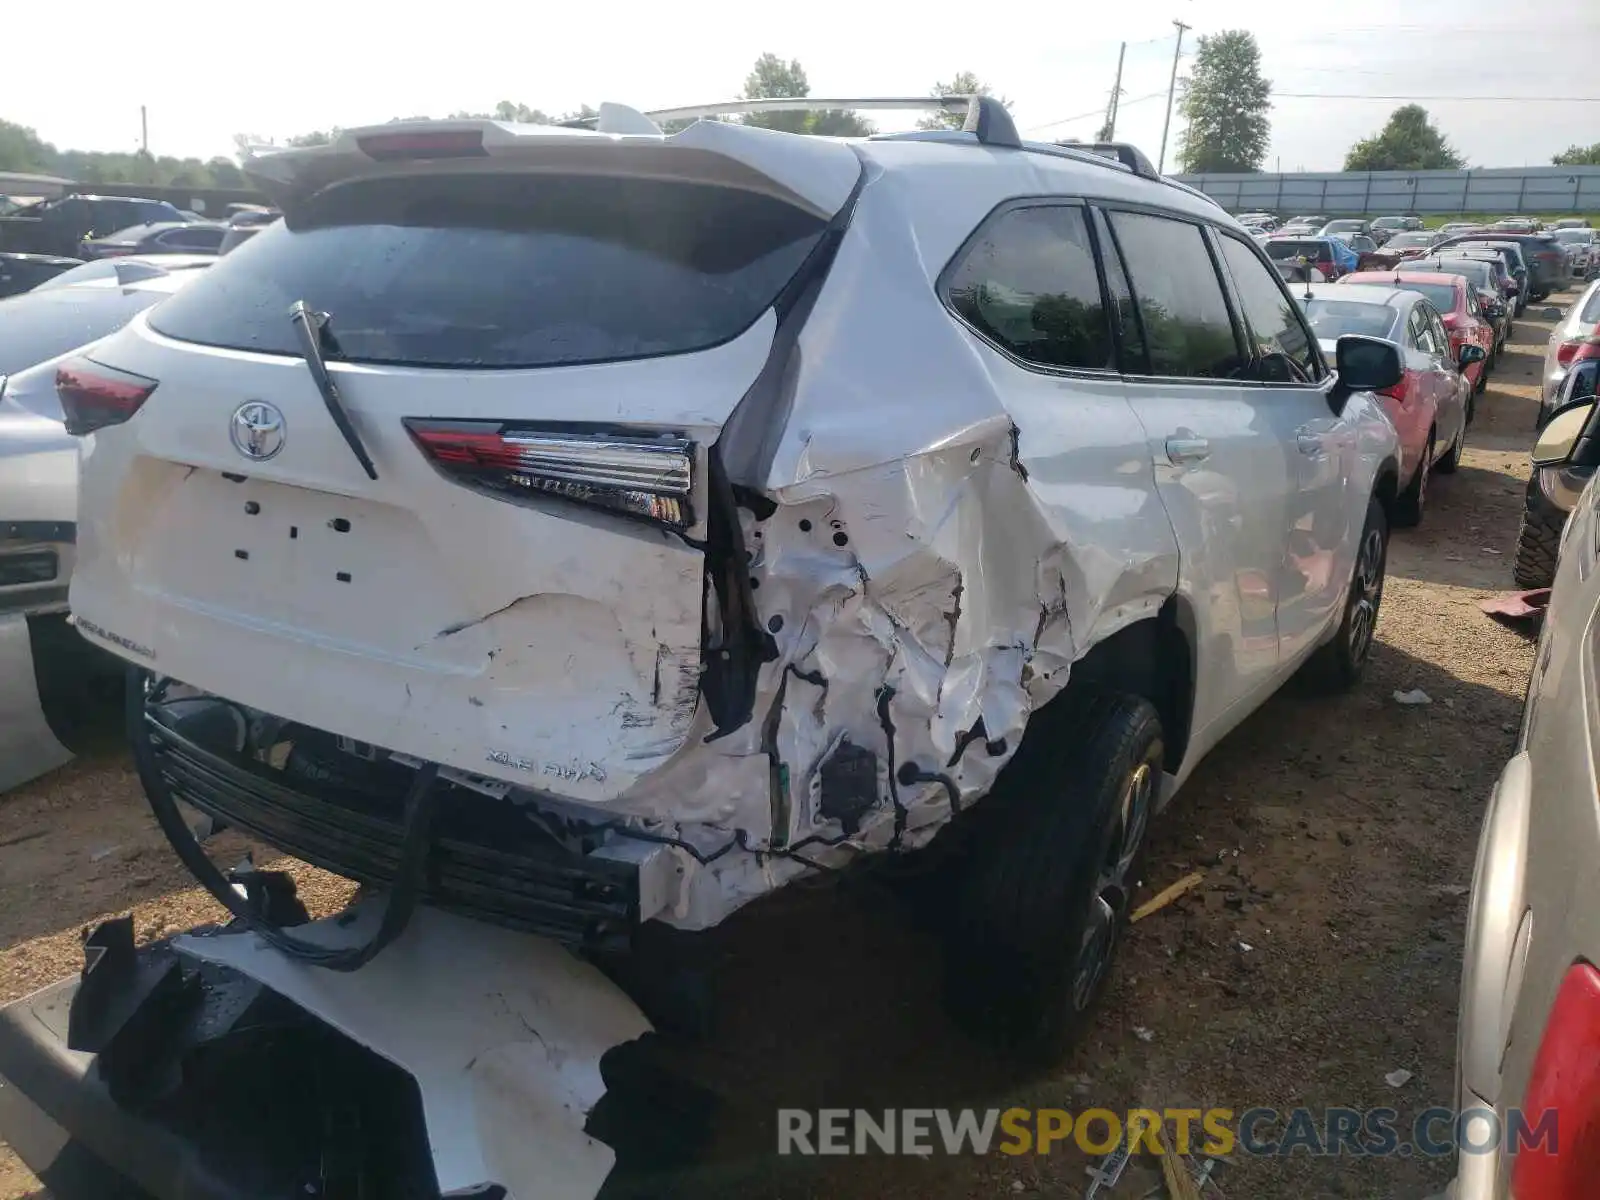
(649, 520)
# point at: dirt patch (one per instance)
(1337, 838)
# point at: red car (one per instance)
(1429, 405)
(1457, 302)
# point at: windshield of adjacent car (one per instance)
(1332, 319)
(1574, 236)
(1405, 241)
(1343, 226)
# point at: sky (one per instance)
(352, 62)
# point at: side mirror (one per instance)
(1471, 354)
(1364, 364)
(1552, 313)
(1561, 434)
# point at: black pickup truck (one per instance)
(57, 226)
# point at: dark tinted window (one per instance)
(1124, 317)
(1029, 282)
(1271, 317)
(1188, 331)
(1331, 319)
(1280, 249)
(1479, 273)
(504, 270)
(196, 237)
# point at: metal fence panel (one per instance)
(1497, 190)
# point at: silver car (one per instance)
(39, 481)
(1530, 992)
(1577, 323)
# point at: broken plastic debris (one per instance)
(1166, 896)
(1398, 1078)
(1517, 606)
(1144, 1034)
(1246, 947)
(1414, 697)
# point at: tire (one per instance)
(1044, 891)
(1337, 666)
(1409, 504)
(1452, 459)
(1483, 382)
(1538, 540)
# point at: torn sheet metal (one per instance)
(951, 533)
(28, 747)
(503, 1033)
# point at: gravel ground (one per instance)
(1336, 837)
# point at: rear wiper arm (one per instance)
(314, 333)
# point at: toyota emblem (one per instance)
(257, 430)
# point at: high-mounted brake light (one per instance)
(438, 143)
(636, 474)
(93, 396)
(1566, 1081)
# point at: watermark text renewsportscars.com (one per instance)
(1217, 1132)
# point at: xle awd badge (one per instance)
(257, 430)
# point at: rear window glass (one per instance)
(1479, 273)
(1332, 319)
(1441, 295)
(498, 271)
(1404, 241)
(1279, 251)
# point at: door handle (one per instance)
(1184, 450)
(1308, 443)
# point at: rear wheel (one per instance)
(1338, 664)
(1045, 888)
(1409, 504)
(1538, 539)
(1452, 459)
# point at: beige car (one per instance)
(1529, 1039)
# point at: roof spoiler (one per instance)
(985, 116)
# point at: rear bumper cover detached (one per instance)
(465, 1060)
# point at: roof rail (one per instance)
(1125, 153)
(985, 116)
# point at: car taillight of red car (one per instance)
(1566, 1081)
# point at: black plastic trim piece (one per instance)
(39, 531)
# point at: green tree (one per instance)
(965, 83)
(771, 77)
(1407, 142)
(22, 150)
(1579, 156)
(1225, 103)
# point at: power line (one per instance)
(1097, 112)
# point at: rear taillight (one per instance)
(1566, 1081)
(437, 143)
(93, 396)
(1548, 255)
(1587, 351)
(649, 476)
(1568, 350)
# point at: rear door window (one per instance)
(1188, 330)
(1027, 281)
(1272, 318)
(503, 271)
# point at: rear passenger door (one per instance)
(1323, 517)
(1219, 445)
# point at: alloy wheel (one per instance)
(1114, 884)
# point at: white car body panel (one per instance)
(949, 536)
(502, 1032)
(1570, 327)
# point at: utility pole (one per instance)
(1116, 95)
(1172, 90)
(144, 130)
